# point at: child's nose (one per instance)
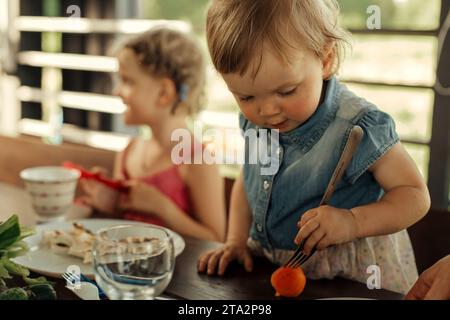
(268, 110)
(116, 91)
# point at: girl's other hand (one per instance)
(326, 226)
(217, 260)
(142, 197)
(98, 196)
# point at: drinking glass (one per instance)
(133, 262)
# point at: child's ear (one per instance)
(167, 93)
(328, 61)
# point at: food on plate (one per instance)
(288, 282)
(79, 242)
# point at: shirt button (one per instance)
(266, 185)
(259, 227)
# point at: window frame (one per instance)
(439, 144)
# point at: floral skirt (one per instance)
(392, 255)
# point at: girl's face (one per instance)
(281, 96)
(139, 90)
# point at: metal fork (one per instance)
(353, 141)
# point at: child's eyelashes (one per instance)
(282, 94)
(288, 93)
(246, 99)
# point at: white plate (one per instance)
(42, 260)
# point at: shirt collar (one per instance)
(308, 132)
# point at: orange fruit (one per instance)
(288, 282)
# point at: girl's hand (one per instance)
(220, 258)
(142, 197)
(98, 196)
(326, 226)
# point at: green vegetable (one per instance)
(17, 249)
(14, 294)
(40, 280)
(12, 246)
(14, 268)
(41, 292)
(3, 272)
(25, 232)
(11, 236)
(2, 285)
(9, 232)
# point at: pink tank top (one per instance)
(170, 183)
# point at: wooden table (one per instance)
(237, 284)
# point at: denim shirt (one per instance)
(307, 157)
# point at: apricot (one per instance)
(288, 282)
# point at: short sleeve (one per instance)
(379, 137)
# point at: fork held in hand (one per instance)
(353, 141)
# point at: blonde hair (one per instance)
(164, 52)
(237, 30)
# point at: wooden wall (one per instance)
(23, 152)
